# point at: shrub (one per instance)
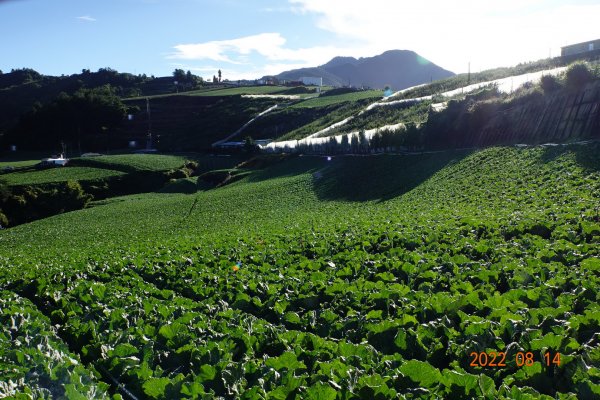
(28, 203)
(178, 173)
(73, 196)
(250, 146)
(3, 220)
(549, 83)
(193, 165)
(413, 137)
(578, 74)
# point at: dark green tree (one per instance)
(332, 145)
(578, 74)
(179, 75)
(363, 143)
(376, 141)
(250, 146)
(354, 144)
(80, 120)
(345, 145)
(549, 83)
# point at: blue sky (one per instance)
(248, 39)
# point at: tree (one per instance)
(250, 146)
(354, 144)
(179, 75)
(215, 79)
(219, 75)
(345, 145)
(332, 145)
(376, 141)
(412, 137)
(363, 143)
(81, 118)
(578, 75)
(549, 83)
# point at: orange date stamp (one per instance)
(493, 359)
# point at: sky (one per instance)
(248, 39)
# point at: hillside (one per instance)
(22, 90)
(190, 123)
(197, 117)
(366, 277)
(552, 105)
(430, 271)
(398, 68)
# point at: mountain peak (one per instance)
(398, 68)
(335, 61)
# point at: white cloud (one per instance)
(271, 46)
(86, 18)
(266, 44)
(488, 34)
(276, 9)
(238, 72)
(451, 33)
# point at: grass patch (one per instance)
(233, 91)
(18, 164)
(133, 162)
(58, 174)
(323, 101)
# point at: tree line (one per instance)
(407, 138)
(84, 119)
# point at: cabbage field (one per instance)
(459, 275)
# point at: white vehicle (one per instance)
(60, 161)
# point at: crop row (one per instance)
(378, 279)
(34, 362)
(161, 326)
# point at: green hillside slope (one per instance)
(359, 277)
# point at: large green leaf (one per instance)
(548, 341)
(124, 350)
(320, 391)
(207, 373)
(487, 386)
(461, 379)
(421, 372)
(287, 360)
(155, 387)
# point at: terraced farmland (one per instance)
(134, 162)
(362, 277)
(253, 90)
(328, 100)
(61, 174)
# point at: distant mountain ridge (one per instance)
(398, 68)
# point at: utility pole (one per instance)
(149, 136)
(469, 74)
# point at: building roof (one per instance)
(581, 43)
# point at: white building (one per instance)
(311, 80)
